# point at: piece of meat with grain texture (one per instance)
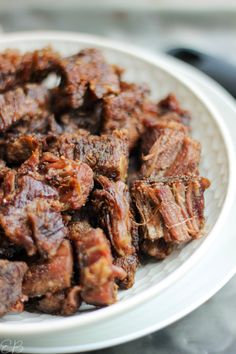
(17, 69)
(19, 149)
(170, 109)
(111, 204)
(126, 111)
(11, 277)
(84, 75)
(27, 207)
(158, 249)
(64, 303)
(40, 125)
(25, 102)
(97, 273)
(106, 154)
(52, 275)
(72, 179)
(129, 264)
(168, 151)
(48, 229)
(166, 110)
(170, 209)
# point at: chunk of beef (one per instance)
(47, 227)
(165, 111)
(50, 303)
(64, 144)
(18, 204)
(169, 151)
(19, 149)
(106, 154)
(72, 301)
(158, 249)
(170, 210)
(17, 69)
(14, 224)
(84, 74)
(111, 205)
(126, 111)
(164, 131)
(73, 180)
(188, 159)
(95, 264)
(11, 277)
(63, 303)
(29, 101)
(170, 109)
(129, 264)
(29, 188)
(52, 275)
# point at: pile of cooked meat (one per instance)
(95, 177)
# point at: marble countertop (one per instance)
(211, 329)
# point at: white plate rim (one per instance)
(102, 314)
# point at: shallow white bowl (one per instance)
(218, 164)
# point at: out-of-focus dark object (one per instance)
(220, 70)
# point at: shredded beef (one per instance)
(85, 74)
(52, 275)
(169, 108)
(48, 229)
(17, 69)
(111, 204)
(16, 219)
(72, 179)
(11, 277)
(95, 264)
(18, 150)
(158, 249)
(169, 209)
(28, 101)
(63, 303)
(95, 178)
(129, 264)
(126, 111)
(169, 151)
(40, 125)
(106, 154)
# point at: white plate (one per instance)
(187, 294)
(217, 164)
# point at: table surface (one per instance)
(211, 329)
